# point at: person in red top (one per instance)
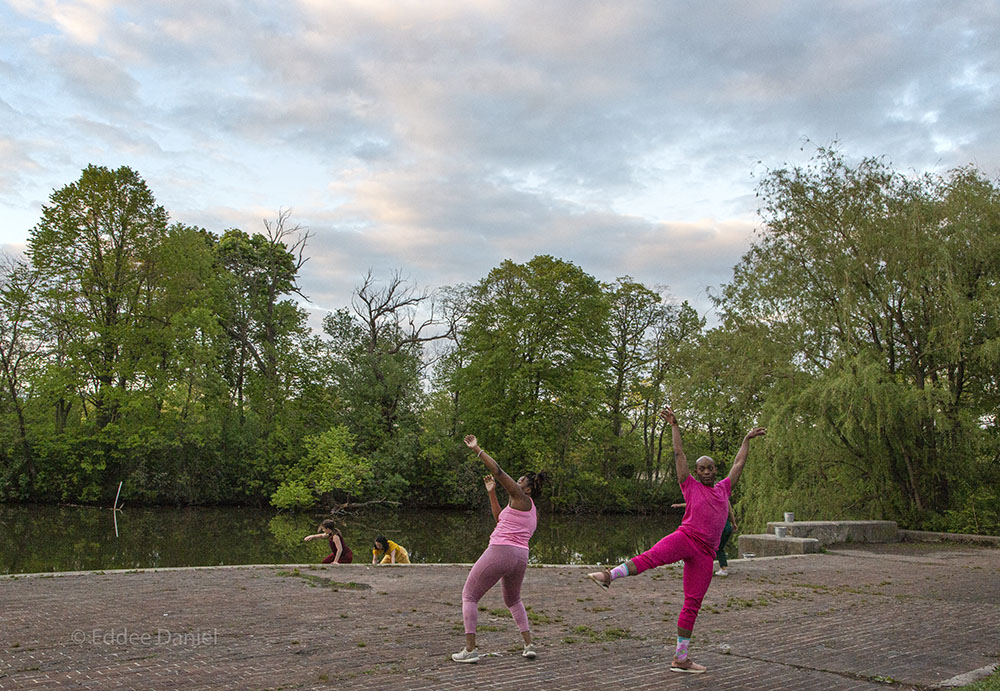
(695, 541)
(506, 557)
(340, 553)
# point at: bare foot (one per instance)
(688, 665)
(601, 578)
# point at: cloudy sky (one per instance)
(440, 138)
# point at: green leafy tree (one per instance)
(328, 470)
(96, 247)
(377, 354)
(19, 351)
(672, 353)
(533, 377)
(446, 475)
(377, 350)
(180, 421)
(870, 298)
(260, 274)
(266, 330)
(633, 315)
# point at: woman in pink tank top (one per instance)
(506, 557)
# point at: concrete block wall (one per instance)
(771, 546)
(830, 532)
(807, 537)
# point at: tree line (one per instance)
(861, 328)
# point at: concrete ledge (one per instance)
(770, 545)
(972, 677)
(830, 532)
(964, 538)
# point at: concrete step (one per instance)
(964, 538)
(806, 537)
(766, 545)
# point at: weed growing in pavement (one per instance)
(324, 582)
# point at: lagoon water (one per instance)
(37, 539)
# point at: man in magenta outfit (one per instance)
(695, 541)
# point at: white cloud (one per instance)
(442, 138)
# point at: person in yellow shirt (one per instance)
(389, 552)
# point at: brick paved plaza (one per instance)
(901, 616)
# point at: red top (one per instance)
(346, 556)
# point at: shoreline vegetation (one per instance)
(862, 327)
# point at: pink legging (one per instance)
(697, 570)
(498, 562)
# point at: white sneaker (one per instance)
(722, 572)
(466, 655)
(529, 651)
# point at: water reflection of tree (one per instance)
(288, 531)
(52, 538)
(597, 539)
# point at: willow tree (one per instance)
(872, 297)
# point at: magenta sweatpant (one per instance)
(697, 570)
(504, 563)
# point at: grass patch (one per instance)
(540, 617)
(592, 636)
(744, 603)
(314, 580)
(990, 683)
(383, 668)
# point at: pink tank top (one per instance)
(515, 527)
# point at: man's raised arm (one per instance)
(741, 455)
(680, 460)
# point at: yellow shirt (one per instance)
(401, 556)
